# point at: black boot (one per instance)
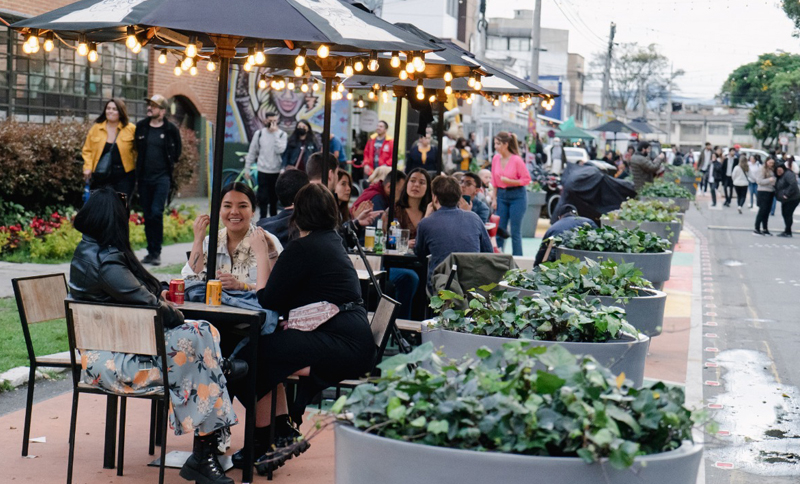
(261, 438)
(233, 369)
(289, 442)
(203, 466)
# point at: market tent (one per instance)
(574, 133)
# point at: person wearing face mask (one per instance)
(301, 145)
(111, 136)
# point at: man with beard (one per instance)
(158, 143)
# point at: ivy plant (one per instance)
(571, 276)
(665, 190)
(645, 211)
(609, 239)
(503, 401)
(505, 314)
(683, 171)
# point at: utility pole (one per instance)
(643, 97)
(669, 107)
(607, 73)
(536, 41)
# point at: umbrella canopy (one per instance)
(305, 23)
(640, 125)
(615, 126)
(574, 133)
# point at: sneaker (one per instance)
(767, 232)
(740, 210)
(151, 259)
(785, 234)
(757, 232)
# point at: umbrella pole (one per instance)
(216, 177)
(440, 136)
(326, 130)
(395, 147)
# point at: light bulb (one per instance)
(544, 103)
(92, 56)
(304, 86)
(49, 45)
(448, 75)
(323, 51)
(348, 70)
(260, 57)
(262, 83)
(471, 80)
(469, 100)
(410, 67)
(83, 47)
(432, 99)
(505, 98)
(34, 46)
(472, 96)
(376, 87)
(420, 87)
(300, 60)
(178, 70)
(349, 95)
(193, 70)
(315, 86)
(395, 62)
(186, 63)
(372, 65)
(419, 63)
(211, 66)
(358, 65)
(385, 95)
(247, 67)
(251, 56)
(448, 89)
(371, 95)
(478, 86)
(420, 96)
(340, 88)
(162, 57)
(403, 75)
(360, 102)
(496, 102)
(131, 41)
(26, 48)
(137, 48)
(298, 71)
(191, 47)
(290, 85)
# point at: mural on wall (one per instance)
(248, 105)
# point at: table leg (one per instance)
(250, 409)
(111, 432)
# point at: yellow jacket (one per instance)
(96, 141)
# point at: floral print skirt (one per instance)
(199, 400)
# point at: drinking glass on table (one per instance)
(402, 241)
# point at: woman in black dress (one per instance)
(312, 268)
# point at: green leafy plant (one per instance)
(505, 314)
(683, 171)
(665, 190)
(535, 187)
(571, 276)
(609, 239)
(503, 402)
(645, 211)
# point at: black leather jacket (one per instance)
(102, 274)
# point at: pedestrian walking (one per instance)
(704, 162)
(158, 143)
(741, 181)
(300, 146)
(765, 178)
(753, 165)
(108, 153)
(728, 164)
(266, 148)
(788, 193)
(714, 177)
(510, 176)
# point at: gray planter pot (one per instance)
(690, 183)
(536, 200)
(363, 458)
(645, 313)
(666, 230)
(682, 203)
(655, 267)
(619, 356)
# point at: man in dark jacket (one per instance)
(288, 184)
(568, 219)
(786, 192)
(643, 168)
(158, 143)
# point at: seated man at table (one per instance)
(470, 186)
(568, 219)
(449, 229)
(289, 183)
(314, 170)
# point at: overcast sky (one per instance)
(706, 38)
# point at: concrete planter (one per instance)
(666, 230)
(645, 313)
(690, 183)
(682, 203)
(536, 200)
(363, 458)
(655, 267)
(623, 355)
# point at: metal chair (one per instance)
(39, 299)
(123, 329)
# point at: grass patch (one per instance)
(48, 338)
(168, 269)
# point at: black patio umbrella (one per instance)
(323, 25)
(615, 126)
(641, 126)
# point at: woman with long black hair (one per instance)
(301, 145)
(105, 269)
(786, 192)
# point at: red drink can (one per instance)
(176, 290)
(214, 293)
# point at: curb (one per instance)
(16, 377)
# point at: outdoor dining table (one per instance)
(409, 260)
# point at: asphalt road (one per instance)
(751, 290)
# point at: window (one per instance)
(45, 86)
(496, 43)
(691, 132)
(519, 43)
(718, 129)
(452, 8)
(740, 130)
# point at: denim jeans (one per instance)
(405, 283)
(511, 206)
(753, 190)
(153, 198)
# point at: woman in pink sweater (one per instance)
(510, 177)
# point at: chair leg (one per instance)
(160, 421)
(26, 432)
(72, 427)
(123, 404)
(273, 409)
(163, 432)
(151, 448)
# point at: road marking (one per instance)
(711, 349)
(710, 323)
(710, 335)
(723, 433)
(772, 363)
(710, 314)
(723, 465)
(711, 365)
(712, 383)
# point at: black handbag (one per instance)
(103, 168)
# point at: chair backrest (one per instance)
(114, 327)
(374, 262)
(382, 322)
(40, 298)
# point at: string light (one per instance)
(247, 67)
(448, 75)
(191, 47)
(421, 95)
(544, 103)
(410, 67)
(419, 62)
(349, 96)
(496, 102)
(323, 51)
(403, 75)
(448, 89)
(420, 87)
(137, 48)
(304, 86)
(505, 98)
(385, 95)
(360, 102)
(469, 100)
(48, 42)
(251, 56)
(372, 66)
(186, 63)
(212, 64)
(471, 80)
(162, 57)
(478, 86)
(260, 58)
(83, 47)
(300, 60)
(358, 65)
(376, 87)
(348, 68)
(315, 86)
(178, 70)
(371, 95)
(340, 88)
(131, 40)
(395, 62)
(262, 83)
(290, 85)
(432, 99)
(193, 69)
(92, 55)
(298, 71)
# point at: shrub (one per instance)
(647, 211)
(188, 161)
(609, 239)
(665, 190)
(683, 171)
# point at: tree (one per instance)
(634, 68)
(769, 86)
(792, 10)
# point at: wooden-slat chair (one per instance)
(123, 329)
(39, 299)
